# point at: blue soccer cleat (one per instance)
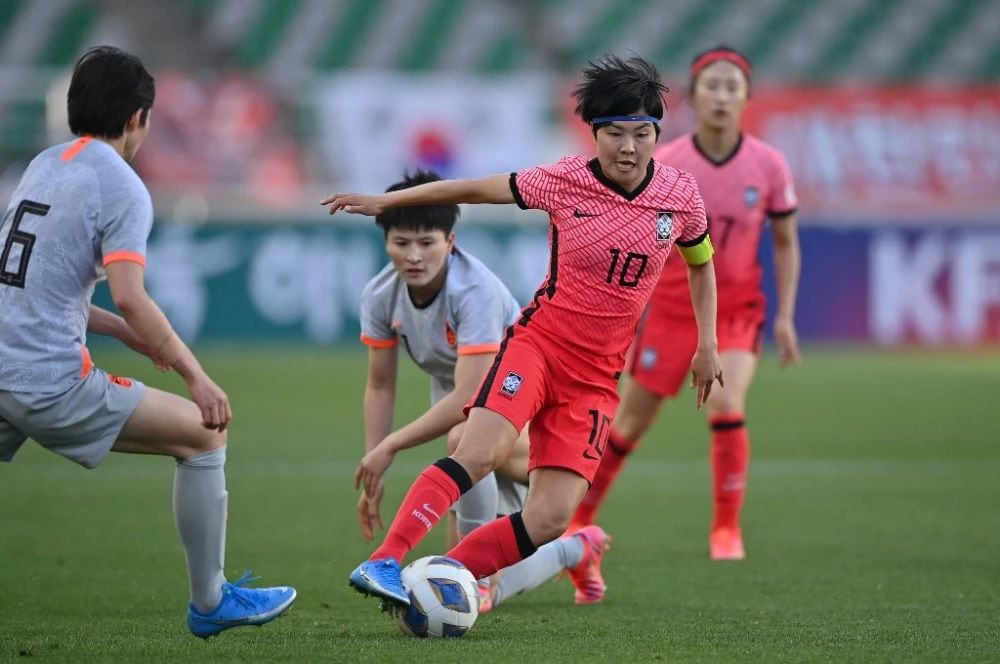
(381, 578)
(241, 606)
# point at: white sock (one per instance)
(533, 571)
(200, 500)
(478, 505)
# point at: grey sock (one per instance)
(200, 512)
(536, 569)
(478, 505)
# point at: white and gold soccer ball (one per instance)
(444, 599)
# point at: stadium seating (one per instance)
(788, 40)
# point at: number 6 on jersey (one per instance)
(25, 240)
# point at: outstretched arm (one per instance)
(787, 260)
(490, 189)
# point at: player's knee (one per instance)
(205, 441)
(478, 460)
(549, 524)
(723, 403)
(478, 466)
(213, 458)
(632, 425)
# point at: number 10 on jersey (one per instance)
(630, 272)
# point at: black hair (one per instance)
(726, 49)
(107, 88)
(612, 86)
(418, 217)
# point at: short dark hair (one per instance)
(612, 86)
(418, 217)
(107, 88)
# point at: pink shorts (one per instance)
(568, 401)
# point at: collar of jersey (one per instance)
(595, 168)
(718, 162)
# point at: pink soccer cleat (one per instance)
(586, 576)
(487, 591)
(726, 544)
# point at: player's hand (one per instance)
(355, 204)
(213, 403)
(706, 368)
(373, 465)
(787, 340)
(370, 512)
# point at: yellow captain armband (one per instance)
(697, 251)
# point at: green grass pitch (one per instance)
(872, 528)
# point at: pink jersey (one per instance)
(608, 247)
(740, 194)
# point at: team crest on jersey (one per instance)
(750, 196)
(664, 226)
(450, 336)
(511, 384)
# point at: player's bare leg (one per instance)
(730, 453)
(515, 468)
(636, 413)
(553, 496)
(478, 505)
(170, 425)
(487, 440)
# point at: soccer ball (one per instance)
(444, 600)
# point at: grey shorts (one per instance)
(512, 495)
(80, 424)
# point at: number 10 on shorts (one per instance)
(598, 435)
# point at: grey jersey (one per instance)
(78, 207)
(469, 315)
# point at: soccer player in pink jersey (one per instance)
(744, 182)
(613, 220)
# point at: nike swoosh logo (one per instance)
(427, 508)
(578, 214)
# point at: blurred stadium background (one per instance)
(887, 110)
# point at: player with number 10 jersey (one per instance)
(613, 220)
(744, 182)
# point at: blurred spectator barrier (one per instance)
(302, 283)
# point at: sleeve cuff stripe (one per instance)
(478, 349)
(378, 343)
(133, 256)
(782, 213)
(517, 193)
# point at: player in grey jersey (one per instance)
(449, 312)
(78, 215)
